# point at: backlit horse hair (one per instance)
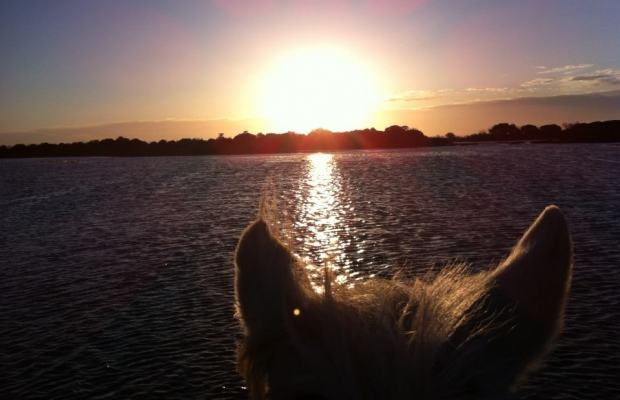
(450, 335)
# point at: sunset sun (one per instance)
(318, 88)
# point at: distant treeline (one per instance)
(244, 143)
(318, 140)
(594, 132)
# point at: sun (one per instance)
(319, 87)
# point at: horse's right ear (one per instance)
(266, 288)
(537, 273)
(526, 304)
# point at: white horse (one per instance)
(457, 336)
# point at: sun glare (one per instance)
(318, 88)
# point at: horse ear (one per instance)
(526, 305)
(266, 286)
(537, 273)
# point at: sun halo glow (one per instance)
(318, 88)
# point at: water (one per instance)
(116, 276)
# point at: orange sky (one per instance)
(158, 69)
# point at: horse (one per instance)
(456, 335)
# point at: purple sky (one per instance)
(153, 69)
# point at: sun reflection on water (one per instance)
(322, 223)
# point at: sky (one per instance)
(77, 70)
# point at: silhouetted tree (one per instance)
(530, 131)
(505, 131)
(568, 125)
(245, 142)
(551, 131)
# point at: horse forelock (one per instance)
(379, 337)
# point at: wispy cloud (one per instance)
(610, 98)
(567, 69)
(601, 80)
(604, 76)
(539, 82)
(169, 129)
(576, 82)
(489, 89)
(414, 95)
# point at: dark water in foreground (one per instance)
(116, 276)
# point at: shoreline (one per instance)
(318, 140)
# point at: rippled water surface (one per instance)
(116, 276)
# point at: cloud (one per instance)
(567, 69)
(414, 95)
(489, 89)
(609, 98)
(605, 79)
(539, 82)
(605, 76)
(168, 129)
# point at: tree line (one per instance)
(244, 143)
(394, 136)
(594, 132)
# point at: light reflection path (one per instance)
(322, 223)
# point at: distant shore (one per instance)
(393, 137)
